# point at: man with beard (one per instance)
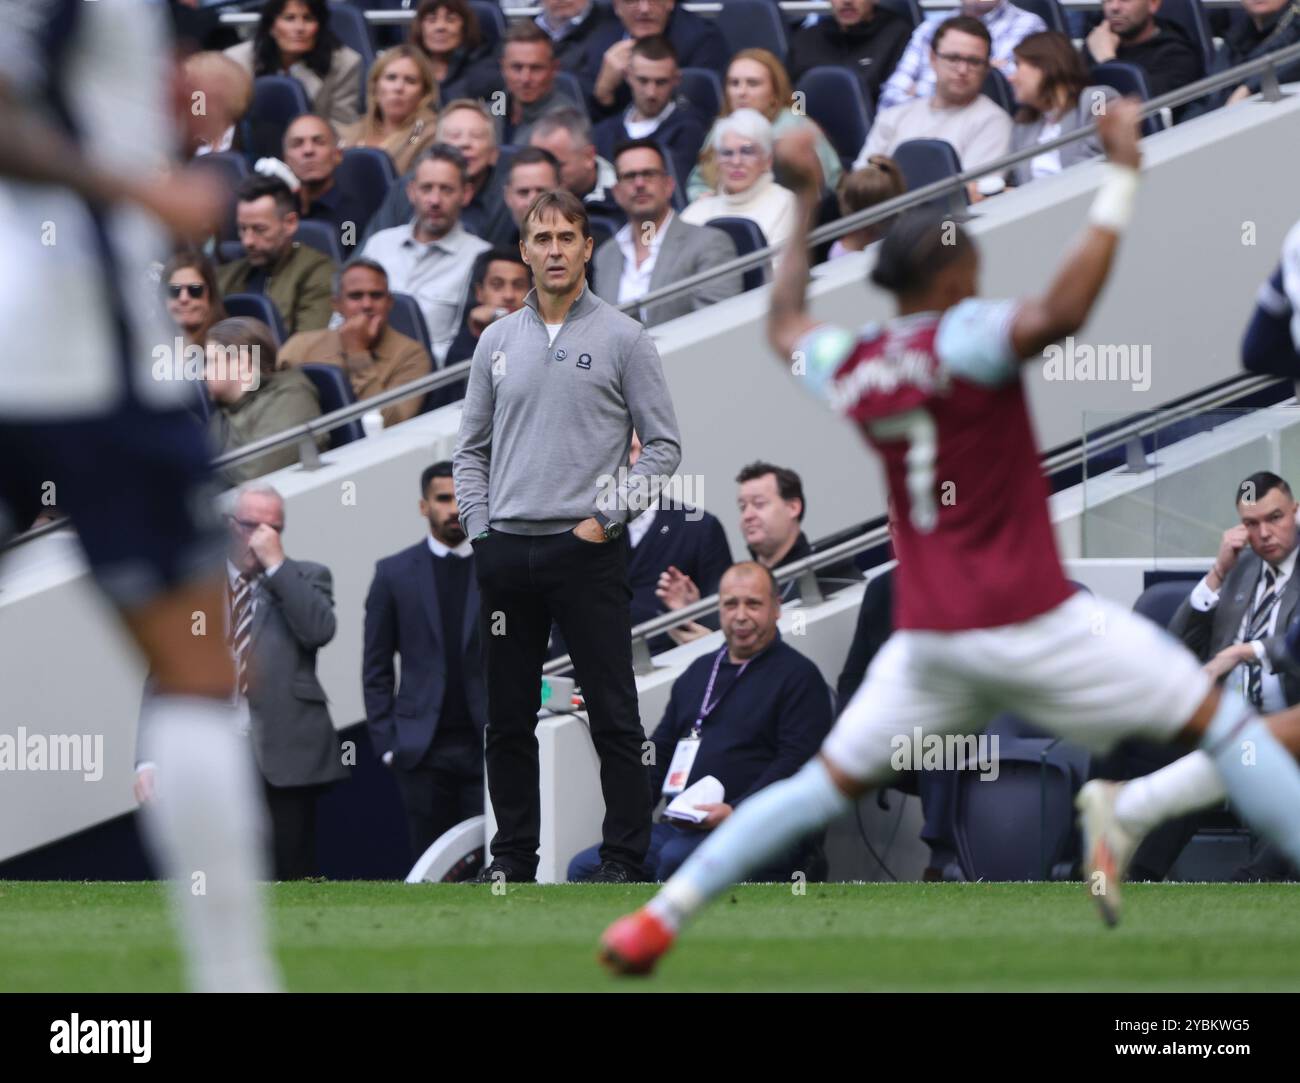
(428, 728)
(1131, 32)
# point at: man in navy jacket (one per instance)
(423, 605)
(697, 41)
(765, 708)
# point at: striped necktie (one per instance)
(241, 626)
(1255, 629)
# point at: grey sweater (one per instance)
(545, 429)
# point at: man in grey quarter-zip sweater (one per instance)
(541, 475)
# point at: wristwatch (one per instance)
(612, 528)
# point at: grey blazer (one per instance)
(686, 250)
(1208, 633)
(1027, 134)
(337, 97)
(292, 735)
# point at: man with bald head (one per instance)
(311, 151)
(746, 714)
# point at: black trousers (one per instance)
(292, 811)
(443, 789)
(525, 583)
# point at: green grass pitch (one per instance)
(111, 937)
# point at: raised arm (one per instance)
(1065, 306)
(795, 155)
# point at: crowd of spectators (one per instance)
(592, 98)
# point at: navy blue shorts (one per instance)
(137, 485)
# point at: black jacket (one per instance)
(681, 135)
(1170, 59)
(871, 49)
(1245, 41)
(403, 618)
(767, 724)
(571, 49)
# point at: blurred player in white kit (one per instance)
(89, 205)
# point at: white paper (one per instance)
(705, 791)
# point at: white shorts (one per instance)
(1089, 671)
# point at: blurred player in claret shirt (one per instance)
(93, 108)
(985, 619)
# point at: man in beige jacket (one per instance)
(374, 356)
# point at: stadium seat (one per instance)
(407, 318)
(335, 392)
(703, 89)
(924, 161)
(321, 236)
(350, 27)
(833, 97)
(366, 173)
(908, 9)
(997, 89)
(257, 307)
(1051, 12)
(277, 99)
(1020, 825)
(753, 24)
(1127, 79)
(747, 237)
(231, 168)
(1160, 601)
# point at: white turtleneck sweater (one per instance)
(766, 203)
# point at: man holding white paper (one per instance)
(739, 718)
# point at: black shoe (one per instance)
(496, 872)
(613, 872)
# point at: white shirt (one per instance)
(1205, 599)
(1049, 163)
(435, 273)
(553, 329)
(634, 282)
(639, 127)
(438, 549)
(640, 526)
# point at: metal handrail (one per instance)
(1225, 392)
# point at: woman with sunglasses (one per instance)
(193, 301)
(742, 145)
(293, 38)
(756, 79)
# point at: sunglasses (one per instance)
(194, 289)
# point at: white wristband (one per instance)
(1113, 206)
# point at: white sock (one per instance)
(205, 827)
(767, 824)
(1184, 786)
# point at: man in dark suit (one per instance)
(281, 613)
(423, 605)
(687, 539)
(656, 248)
(1236, 621)
(698, 43)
